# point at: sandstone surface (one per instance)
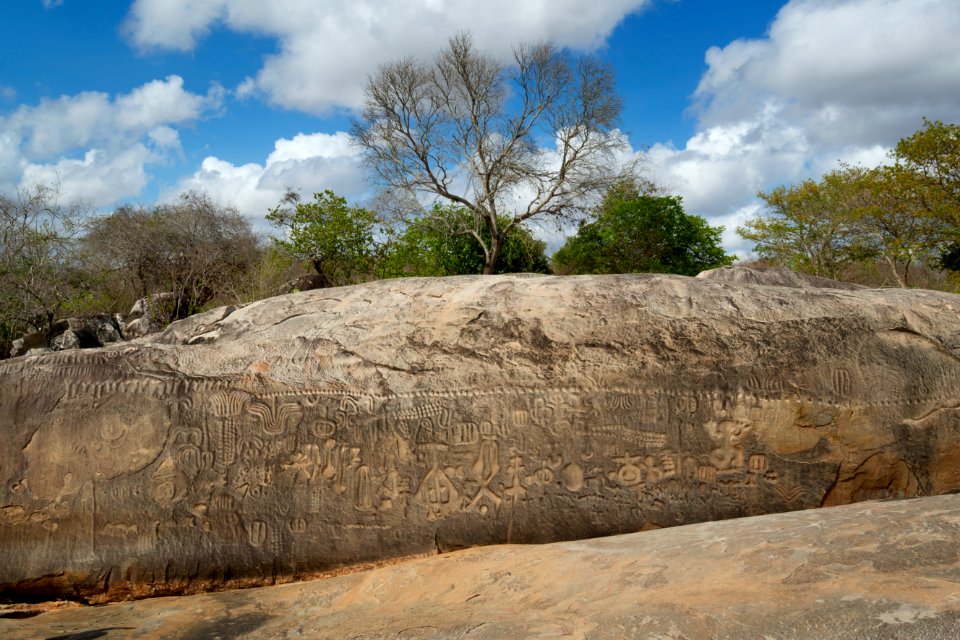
(347, 425)
(857, 572)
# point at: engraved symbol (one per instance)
(393, 487)
(791, 494)
(543, 411)
(687, 405)
(304, 464)
(571, 477)
(485, 468)
(757, 463)
(169, 485)
(547, 472)
(707, 473)
(274, 417)
(437, 492)
(841, 382)
(521, 419)
(729, 433)
(629, 474)
(363, 494)
(756, 467)
(298, 525)
(515, 490)
(112, 432)
(258, 533)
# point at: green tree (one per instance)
(895, 221)
(638, 232)
(903, 216)
(467, 129)
(429, 246)
(812, 227)
(340, 241)
(932, 154)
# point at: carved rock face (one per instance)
(345, 425)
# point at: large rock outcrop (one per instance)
(345, 425)
(867, 571)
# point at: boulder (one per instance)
(148, 315)
(66, 340)
(776, 276)
(347, 425)
(308, 282)
(30, 344)
(874, 570)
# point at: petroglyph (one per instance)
(299, 466)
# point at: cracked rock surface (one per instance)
(866, 571)
(342, 426)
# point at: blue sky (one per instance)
(138, 101)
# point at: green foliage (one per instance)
(811, 227)
(904, 216)
(932, 154)
(635, 232)
(429, 247)
(337, 239)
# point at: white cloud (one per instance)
(100, 178)
(97, 146)
(834, 80)
(71, 122)
(854, 72)
(328, 49)
(308, 162)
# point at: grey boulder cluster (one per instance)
(95, 331)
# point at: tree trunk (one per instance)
(894, 271)
(493, 257)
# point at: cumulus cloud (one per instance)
(327, 49)
(96, 146)
(833, 80)
(851, 72)
(309, 162)
(98, 178)
(70, 122)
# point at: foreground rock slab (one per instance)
(348, 425)
(873, 570)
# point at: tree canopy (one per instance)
(428, 246)
(193, 248)
(40, 274)
(901, 215)
(639, 232)
(337, 239)
(467, 129)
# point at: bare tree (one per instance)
(470, 130)
(196, 249)
(39, 270)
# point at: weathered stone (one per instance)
(346, 425)
(774, 276)
(35, 342)
(66, 340)
(148, 315)
(873, 570)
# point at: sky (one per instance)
(135, 102)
